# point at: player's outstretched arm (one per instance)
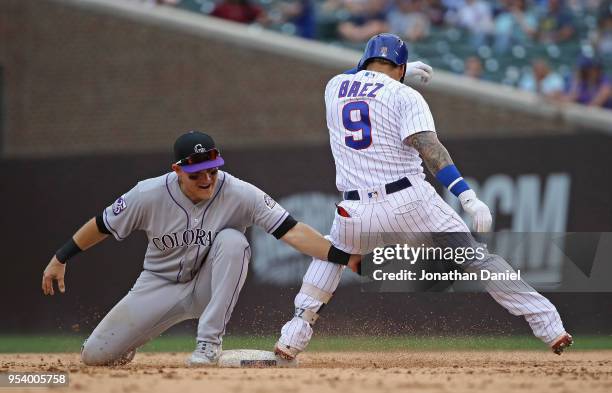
(87, 236)
(439, 163)
(307, 240)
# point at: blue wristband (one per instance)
(451, 178)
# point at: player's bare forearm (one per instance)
(307, 240)
(88, 235)
(441, 165)
(431, 150)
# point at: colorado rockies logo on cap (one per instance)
(196, 151)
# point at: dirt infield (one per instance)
(323, 372)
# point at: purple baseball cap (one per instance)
(196, 151)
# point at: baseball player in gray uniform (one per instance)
(197, 255)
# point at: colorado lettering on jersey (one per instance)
(198, 237)
(357, 90)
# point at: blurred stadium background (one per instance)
(94, 92)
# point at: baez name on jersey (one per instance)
(187, 238)
(356, 90)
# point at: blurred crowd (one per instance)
(561, 49)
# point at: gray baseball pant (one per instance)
(154, 304)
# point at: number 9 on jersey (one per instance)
(361, 124)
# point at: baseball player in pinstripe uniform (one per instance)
(380, 133)
(197, 256)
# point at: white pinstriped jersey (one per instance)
(369, 115)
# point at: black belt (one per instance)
(390, 188)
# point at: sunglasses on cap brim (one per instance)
(199, 157)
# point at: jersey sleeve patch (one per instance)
(269, 201)
(119, 206)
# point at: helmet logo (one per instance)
(383, 51)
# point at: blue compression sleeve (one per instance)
(451, 178)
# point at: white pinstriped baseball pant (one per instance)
(418, 208)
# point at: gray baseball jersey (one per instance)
(180, 232)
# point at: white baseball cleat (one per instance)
(205, 354)
(286, 352)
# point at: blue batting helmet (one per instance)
(385, 46)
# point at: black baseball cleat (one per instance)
(563, 342)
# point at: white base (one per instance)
(253, 358)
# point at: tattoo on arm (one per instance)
(432, 151)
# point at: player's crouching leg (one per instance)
(95, 353)
(227, 264)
